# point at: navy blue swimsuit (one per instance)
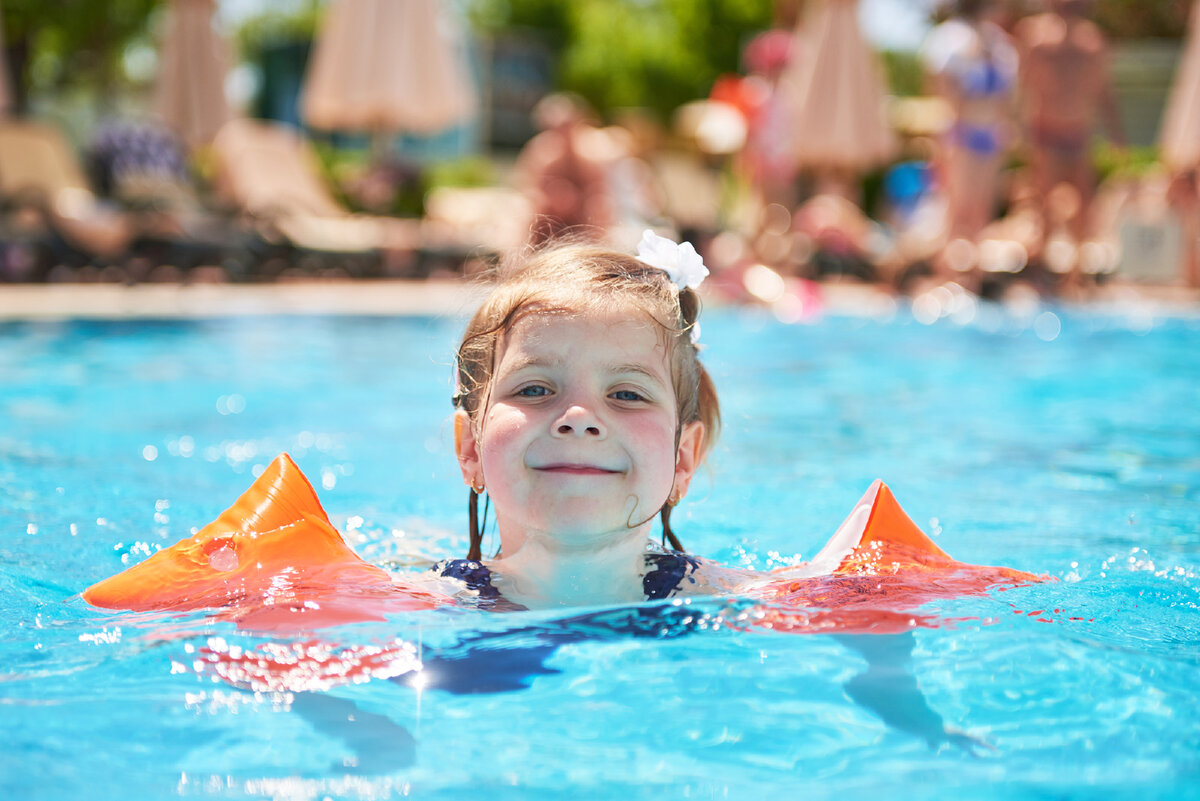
(507, 660)
(666, 573)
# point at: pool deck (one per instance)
(445, 297)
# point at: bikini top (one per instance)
(665, 574)
(979, 59)
(982, 77)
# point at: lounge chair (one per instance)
(40, 173)
(270, 173)
(51, 201)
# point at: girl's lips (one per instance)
(576, 469)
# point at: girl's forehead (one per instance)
(554, 335)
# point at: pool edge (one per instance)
(438, 297)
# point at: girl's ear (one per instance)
(689, 456)
(467, 449)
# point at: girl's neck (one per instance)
(541, 573)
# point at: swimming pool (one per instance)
(1058, 441)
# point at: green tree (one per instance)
(270, 28)
(655, 54)
(68, 44)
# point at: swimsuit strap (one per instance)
(670, 571)
(472, 573)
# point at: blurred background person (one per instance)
(971, 64)
(564, 172)
(1066, 90)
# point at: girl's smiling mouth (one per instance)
(572, 469)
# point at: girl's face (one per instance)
(577, 442)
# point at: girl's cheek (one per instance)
(501, 427)
(656, 436)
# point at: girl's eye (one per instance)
(533, 391)
(627, 395)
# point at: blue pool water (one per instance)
(1066, 444)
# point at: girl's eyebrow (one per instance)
(525, 362)
(637, 369)
(623, 368)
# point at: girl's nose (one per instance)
(578, 421)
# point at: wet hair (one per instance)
(582, 279)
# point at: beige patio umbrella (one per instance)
(193, 64)
(387, 66)
(835, 92)
(1179, 138)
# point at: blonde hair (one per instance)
(578, 278)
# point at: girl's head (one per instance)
(581, 397)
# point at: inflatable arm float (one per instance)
(273, 562)
(876, 569)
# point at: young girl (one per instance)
(583, 412)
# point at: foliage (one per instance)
(1130, 19)
(903, 73)
(74, 43)
(468, 171)
(390, 185)
(259, 32)
(1132, 161)
(549, 18)
(655, 54)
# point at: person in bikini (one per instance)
(972, 65)
(1066, 90)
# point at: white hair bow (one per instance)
(680, 262)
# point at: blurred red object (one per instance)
(745, 94)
